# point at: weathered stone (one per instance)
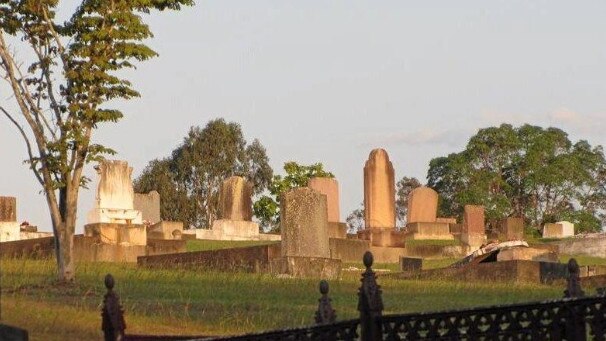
(511, 229)
(560, 229)
(383, 237)
(235, 201)
(567, 228)
(527, 253)
(165, 230)
(9, 231)
(8, 209)
(448, 220)
(304, 223)
(411, 264)
(149, 205)
(223, 229)
(473, 220)
(422, 205)
(379, 191)
(304, 267)
(117, 234)
(115, 195)
(337, 230)
(330, 188)
(429, 230)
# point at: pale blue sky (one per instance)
(327, 81)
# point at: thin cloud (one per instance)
(421, 138)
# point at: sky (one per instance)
(328, 81)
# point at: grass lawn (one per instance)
(179, 301)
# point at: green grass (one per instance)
(177, 301)
(205, 245)
(584, 260)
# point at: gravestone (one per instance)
(560, 229)
(422, 205)
(305, 248)
(473, 231)
(115, 195)
(149, 205)
(9, 228)
(330, 188)
(511, 228)
(235, 201)
(411, 264)
(379, 191)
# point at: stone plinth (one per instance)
(474, 241)
(527, 253)
(448, 220)
(558, 230)
(149, 205)
(8, 209)
(379, 191)
(511, 229)
(235, 199)
(223, 229)
(330, 188)
(337, 230)
(429, 230)
(383, 237)
(9, 231)
(117, 234)
(306, 267)
(114, 202)
(304, 224)
(165, 230)
(422, 205)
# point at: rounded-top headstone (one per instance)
(422, 205)
(330, 188)
(304, 223)
(235, 201)
(8, 209)
(379, 191)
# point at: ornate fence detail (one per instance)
(325, 313)
(112, 314)
(370, 302)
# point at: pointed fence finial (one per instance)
(325, 313)
(370, 302)
(112, 314)
(573, 285)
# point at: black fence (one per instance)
(574, 317)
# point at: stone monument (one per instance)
(304, 226)
(114, 220)
(473, 232)
(561, 229)
(511, 228)
(330, 188)
(9, 227)
(421, 217)
(149, 205)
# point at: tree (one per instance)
(533, 172)
(189, 181)
(403, 189)
(267, 208)
(355, 220)
(62, 92)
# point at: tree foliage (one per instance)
(62, 92)
(189, 180)
(267, 207)
(528, 171)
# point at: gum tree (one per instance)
(63, 87)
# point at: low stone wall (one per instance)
(595, 247)
(435, 251)
(32, 248)
(250, 259)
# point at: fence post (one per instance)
(325, 313)
(112, 314)
(573, 283)
(370, 303)
(575, 324)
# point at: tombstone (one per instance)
(115, 195)
(114, 220)
(421, 217)
(511, 228)
(562, 229)
(379, 191)
(149, 205)
(411, 264)
(473, 231)
(234, 213)
(422, 205)
(304, 227)
(9, 228)
(330, 188)
(165, 230)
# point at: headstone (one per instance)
(305, 247)
(330, 188)
(511, 228)
(304, 223)
(411, 264)
(562, 229)
(235, 201)
(8, 209)
(422, 205)
(165, 230)
(9, 228)
(379, 191)
(149, 205)
(473, 220)
(115, 195)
